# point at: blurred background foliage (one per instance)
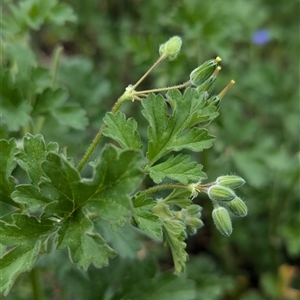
(110, 44)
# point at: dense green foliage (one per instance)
(64, 65)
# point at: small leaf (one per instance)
(121, 130)
(35, 151)
(174, 232)
(62, 13)
(18, 260)
(49, 100)
(179, 197)
(71, 115)
(178, 168)
(15, 116)
(145, 219)
(86, 247)
(27, 234)
(8, 150)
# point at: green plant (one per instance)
(54, 207)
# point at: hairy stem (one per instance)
(127, 95)
(163, 187)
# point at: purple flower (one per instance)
(261, 37)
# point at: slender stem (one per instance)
(179, 86)
(54, 67)
(127, 95)
(149, 71)
(36, 284)
(91, 148)
(99, 135)
(163, 187)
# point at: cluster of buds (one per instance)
(190, 216)
(224, 200)
(204, 77)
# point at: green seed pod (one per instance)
(220, 193)
(171, 48)
(230, 181)
(238, 207)
(199, 75)
(222, 220)
(208, 85)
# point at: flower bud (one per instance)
(194, 222)
(238, 207)
(194, 210)
(220, 193)
(230, 181)
(171, 48)
(203, 72)
(222, 220)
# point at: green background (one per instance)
(108, 45)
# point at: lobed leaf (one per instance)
(85, 246)
(25, 230)
(174, 132)
(178, 168)
(33, 154)
(26, 235)
(174, 236)
(18, 260)
(116, 176)
(145, 219)
(121, 130)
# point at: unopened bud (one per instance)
(194, 222)
(194, 210)
(220, 193)
(203, 72)
(238, 207)
(222, 220)
(171, 48)
(230, 181)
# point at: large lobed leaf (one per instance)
(175, 132)
(26, 236)
(85, 246)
